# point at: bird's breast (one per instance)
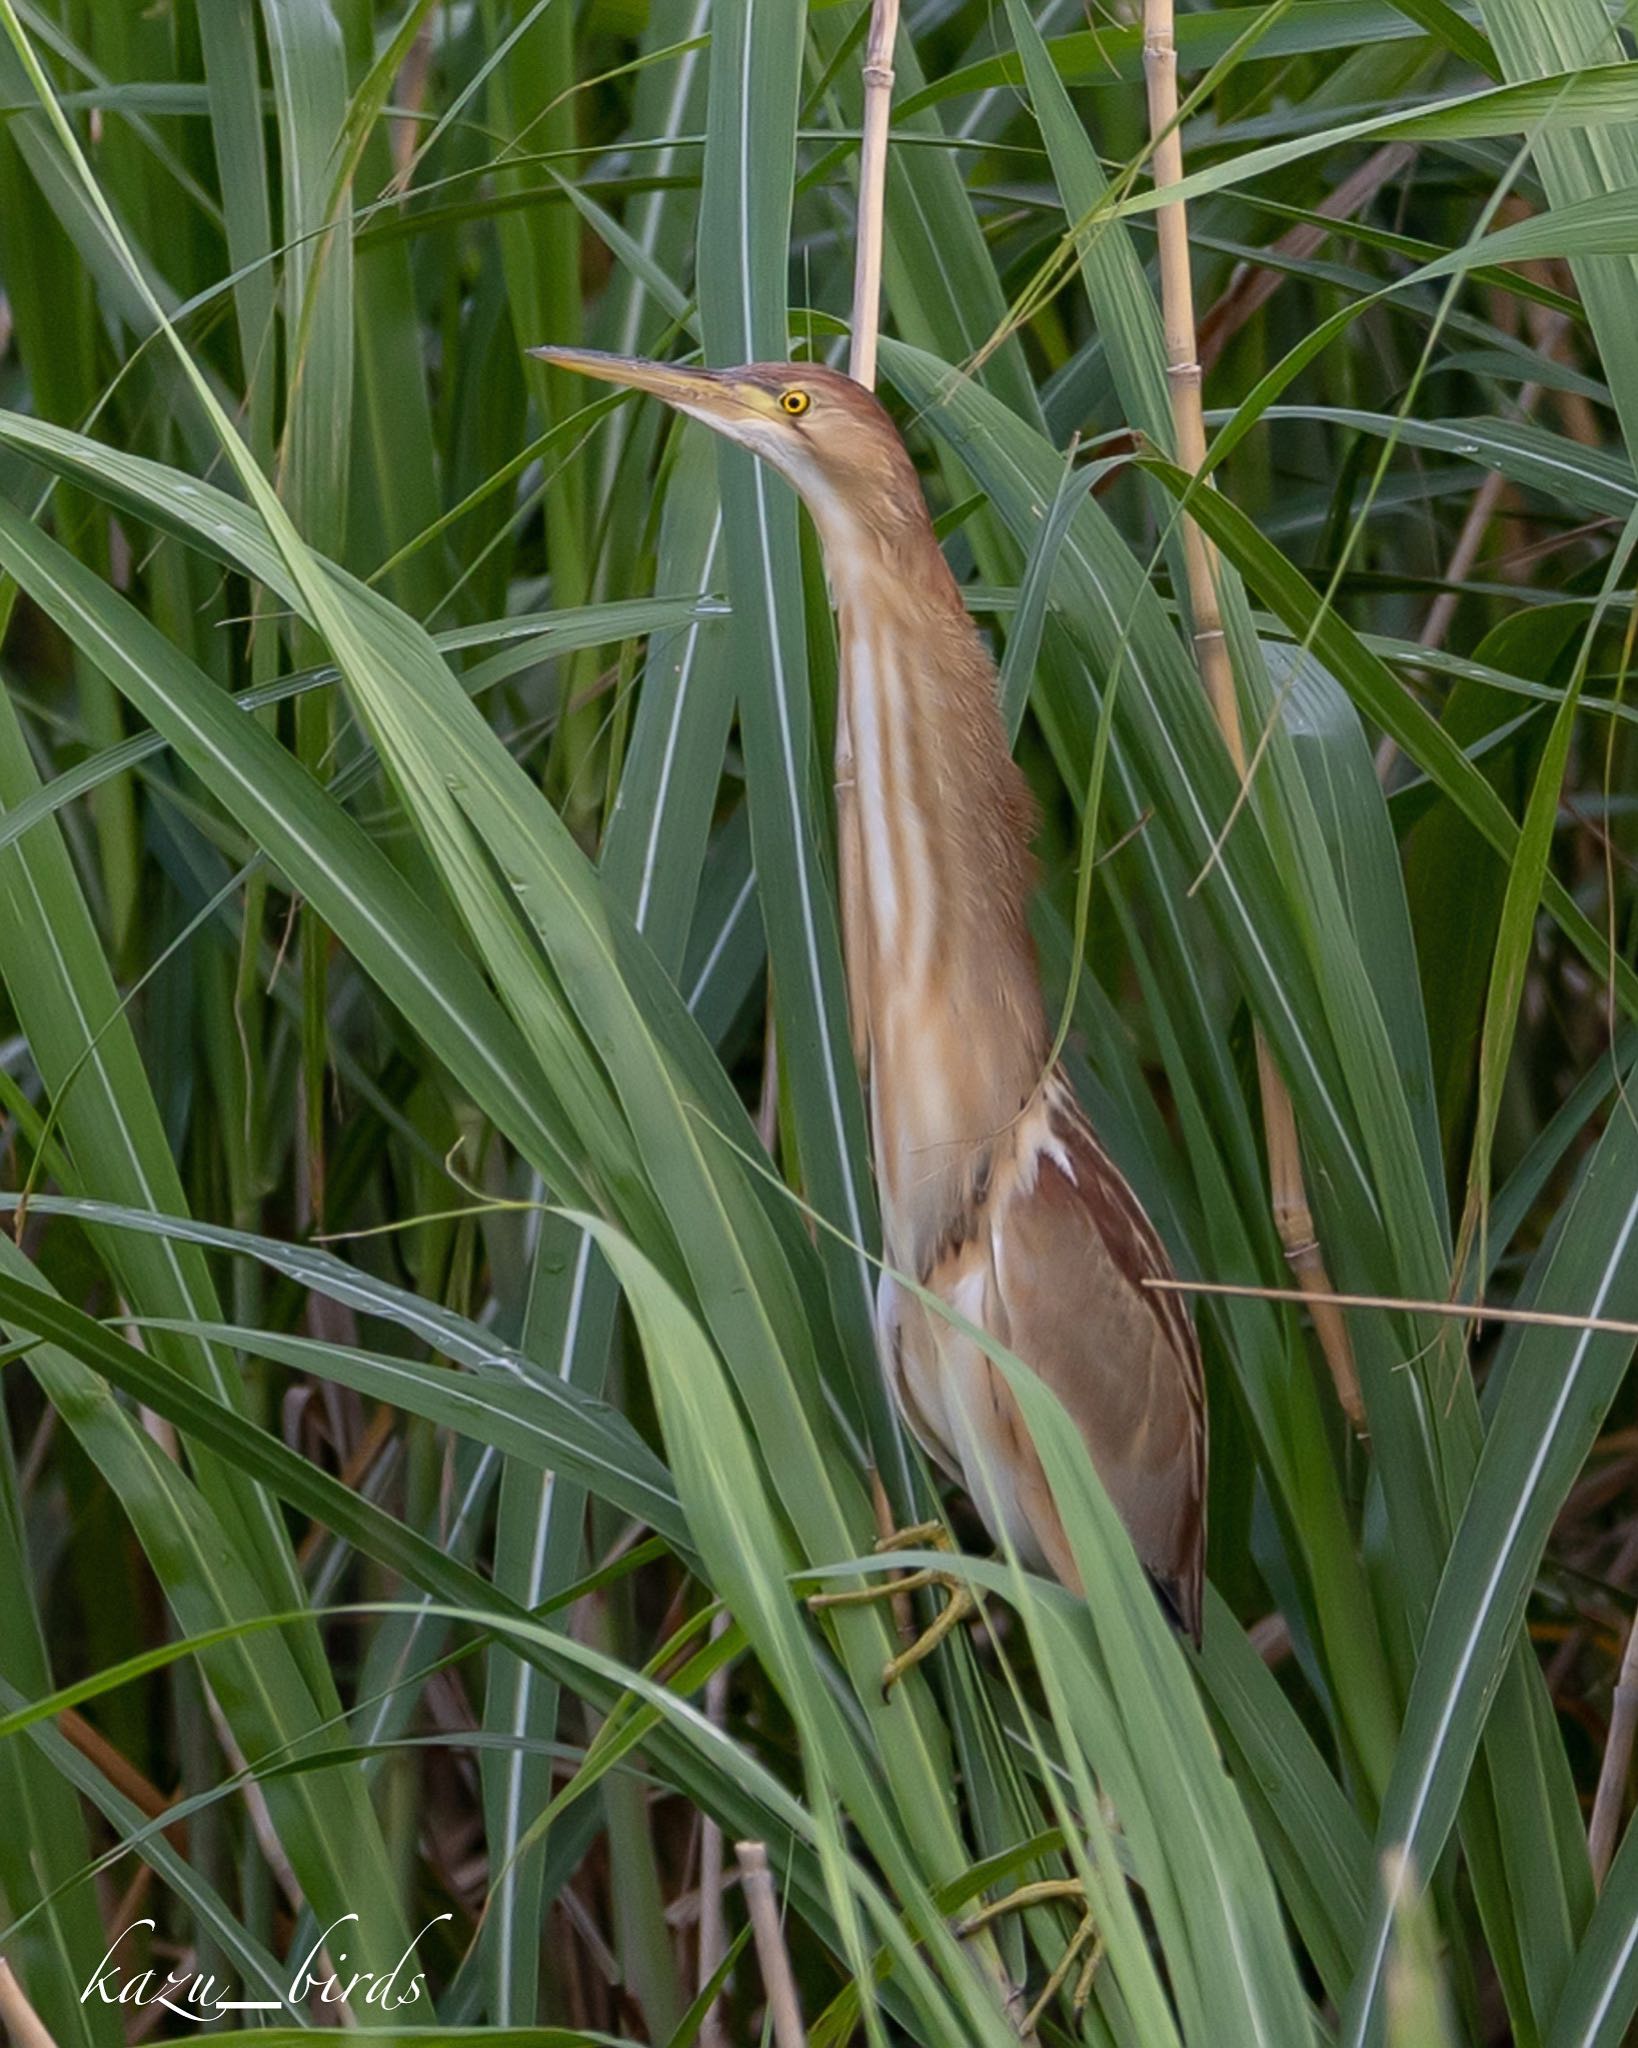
(923, 1110)
(933, 911)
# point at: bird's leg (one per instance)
(1085, 1938)
(954, 1611)
(904, 1613)
(959, 1605)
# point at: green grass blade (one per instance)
(1558, 1387)
(744, 224)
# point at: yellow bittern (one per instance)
(995, 1193)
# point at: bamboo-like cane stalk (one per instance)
(1292, 1216)
(21, 2023)
(756, 1880)
(877, 75)
(867, 261)
(867, 293)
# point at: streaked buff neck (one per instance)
(937, 872)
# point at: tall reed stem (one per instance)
(21, 2022)
(756, 1880)
(1289, 1199)
(867, 263)
(1612, 1772)
(861, 363)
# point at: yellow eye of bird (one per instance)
(795, 403)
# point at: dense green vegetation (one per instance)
(439, 1225)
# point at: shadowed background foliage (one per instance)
(435, 1175)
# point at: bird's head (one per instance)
(828, 435)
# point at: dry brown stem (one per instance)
(120, 1772)
(1252, 285)
(1486, 499)
(1465, 553)
(1455, 1311)
(867, 262)
(1612, 1772)
(1292, 1216)
(713, 1928)
(267, 1835)
(410, 96)
(783, 2010)
(767, 1106)
(20, 2022)
(1483, 509)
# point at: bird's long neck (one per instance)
(937, 871)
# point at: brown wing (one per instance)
(1073, 1247)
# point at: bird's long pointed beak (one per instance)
(709, 392)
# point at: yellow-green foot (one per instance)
(925, 1535)
(1085, 1946)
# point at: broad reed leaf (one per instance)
(744, 228)
(1558, 1386)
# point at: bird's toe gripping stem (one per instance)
(929, 1535)
(1085, 1945)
